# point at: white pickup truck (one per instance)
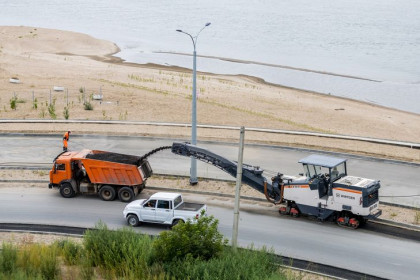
(162, 208)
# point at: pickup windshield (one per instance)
(177, 201)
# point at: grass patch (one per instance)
(264, 115)
(417, 218)
(125, 254)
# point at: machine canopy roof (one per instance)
(323, 161)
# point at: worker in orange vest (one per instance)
(66, 138)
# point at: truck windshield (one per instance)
(177, 201)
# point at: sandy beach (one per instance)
(85, 67)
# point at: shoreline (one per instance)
(43, 58)
(115, 59)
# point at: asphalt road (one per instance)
(399, 181)
(357, 250)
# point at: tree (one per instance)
(199, 239)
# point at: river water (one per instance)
(364, 50)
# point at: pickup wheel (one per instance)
(133, 220)
(126, 194)
(175, 222)
(107, 193)
(66, 190)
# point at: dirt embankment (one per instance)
(84, 66)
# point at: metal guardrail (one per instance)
(411, 145)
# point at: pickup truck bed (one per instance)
(188, 206)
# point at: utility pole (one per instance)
(238, 190)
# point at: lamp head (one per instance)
(208, 23)
(179, 30)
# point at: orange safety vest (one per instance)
(65, 139)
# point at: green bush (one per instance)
(35, 104)
(88, 106)
(124, 254)
(20, 275)
(66, 113)
(37, 259)
(8, 258)
(71, 251)
(13, 102)
(121, 253)
(51, 110)
(242, 264)
(49, 263)
(29, 262)
(199, 240)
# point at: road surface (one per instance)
(357, 250)
(399, 181)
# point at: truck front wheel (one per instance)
(126, 194)
(107, 193)
(66, 190)
(133, 220)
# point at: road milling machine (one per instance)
(323, 190)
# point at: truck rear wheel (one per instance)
(107, 193)
(133, 220)
(66, 190)
(126, 194)
(175, 222)
(141, 188)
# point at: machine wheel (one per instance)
(294, 212)
(126, 194)
(133, 220)
(107, 193)
(66, 190)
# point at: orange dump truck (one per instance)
(105, 173)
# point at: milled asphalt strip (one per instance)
(301, 265)
(276, 131)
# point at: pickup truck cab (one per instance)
(162, 208)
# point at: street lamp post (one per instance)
(193, 170)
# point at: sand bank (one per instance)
(44, 58)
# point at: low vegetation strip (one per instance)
(124, 254)
(71, 254)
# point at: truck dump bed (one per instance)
(115, 169)
(114, 157)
